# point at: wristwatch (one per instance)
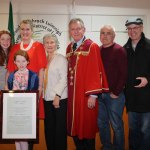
(58, 95)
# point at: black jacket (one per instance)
(138, 99)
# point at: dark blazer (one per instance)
(33, 81)
(138, 99)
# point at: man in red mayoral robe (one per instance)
(86, 79)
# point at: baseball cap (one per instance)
(134, 20)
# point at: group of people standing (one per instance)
(86, 91)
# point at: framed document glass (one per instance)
(19, 115)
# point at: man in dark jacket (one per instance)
(137, 89)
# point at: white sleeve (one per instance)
(62, 71)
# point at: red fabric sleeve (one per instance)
(96, 81)
(37, 57)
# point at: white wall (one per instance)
(59, 16)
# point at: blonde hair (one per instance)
(27, 21)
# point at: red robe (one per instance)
(86, 76)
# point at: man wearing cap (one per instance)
(137, 89)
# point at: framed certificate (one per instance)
(19, 110)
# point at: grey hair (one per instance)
(51, 36)
(109, 27)
(75, 20)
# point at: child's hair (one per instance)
(21, 53)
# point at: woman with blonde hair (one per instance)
(36, 53)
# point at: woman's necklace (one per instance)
(28, 47)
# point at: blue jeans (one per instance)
(139, 131)
(110, 113)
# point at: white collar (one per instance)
(28, 47)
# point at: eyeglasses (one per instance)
(133, 29)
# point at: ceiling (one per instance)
(144, 4)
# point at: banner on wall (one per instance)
(41, 27)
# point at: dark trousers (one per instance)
(139, 130)
(56, 125)
(30, 145)
(84, 144)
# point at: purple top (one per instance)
(115, 64)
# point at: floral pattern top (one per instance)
(20, 81)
